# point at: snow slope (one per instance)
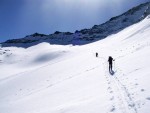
(70, 79)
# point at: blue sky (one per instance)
(19, 18)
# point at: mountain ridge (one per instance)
(70, 79)
(85, 36)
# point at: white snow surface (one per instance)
(70, 79)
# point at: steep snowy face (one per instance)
(118, 23)
(85, 36)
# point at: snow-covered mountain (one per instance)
(97, 32)
(70, 79)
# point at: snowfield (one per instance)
(70, 79)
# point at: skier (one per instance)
(110, 60)
(96, 54)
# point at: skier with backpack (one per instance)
(110, 60)
(96, 54)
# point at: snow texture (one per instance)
(71, 79)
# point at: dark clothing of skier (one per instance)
(110, 60)
(96, 54)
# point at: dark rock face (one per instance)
(85, 36)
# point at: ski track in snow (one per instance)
(122, 102)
